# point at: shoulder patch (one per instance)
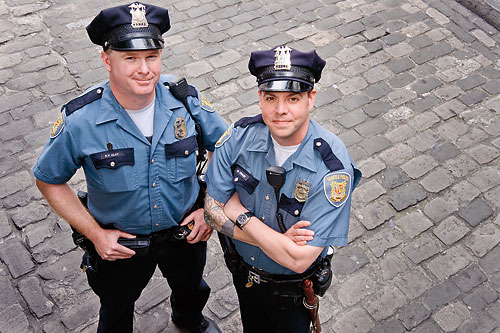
(82, 100)
(337, 186)
(226, 135)
(331, 161)
(245, 121)
(58, 127)
(205, 104)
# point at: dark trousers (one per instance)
(262, 311)
(120, 283)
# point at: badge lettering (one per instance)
(337, 187)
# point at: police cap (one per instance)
(286, 69)
(135, 26)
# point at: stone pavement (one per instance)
(411, 86)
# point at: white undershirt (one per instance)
(144, 118)
(282, 153)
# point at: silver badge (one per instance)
(282, 55)
(180, 128)
(138, 12)
(301, 191)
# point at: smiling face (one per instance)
(286, 114)
(133, 76)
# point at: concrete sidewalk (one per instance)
(412, 88)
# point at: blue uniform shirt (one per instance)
(138, 187)
(320, 177)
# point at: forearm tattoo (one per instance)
(215, 217)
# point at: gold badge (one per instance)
(58, 127)
(180, 128)
(301, 191)
(138, 12)
(282, 55)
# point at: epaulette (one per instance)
(245, 121)
(331, 161)
(191, 90)
(82, 100)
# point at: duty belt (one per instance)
(282, 284)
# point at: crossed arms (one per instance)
(289, 249)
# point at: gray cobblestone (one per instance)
(413, 314)
(13, 319)
(438, 208)
(378, 90)
(32, 213)
(469, 278)
(483, 239)
(476, 212)
(480, 298)
(390, 266)
(393, 178)
(371, 167)
(440, 295)
(400, 65)
(437, 180)
(383, 241)
(406, 196)
(452, 316)
(414, 224)
(374, 214)
(16, 257)
(384, 303)
(451, 230)
(479, 323)
(421, 249)
(31, 291)
(356, 288)
(355, 320)
(473, 97)
(375, 144)
(419, 166)
(413, 284)
(401, 80)
(455, 259)
(483, 154)
(348, 260)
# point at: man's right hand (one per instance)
(298, 234)
(106, 245)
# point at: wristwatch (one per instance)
(243, 219)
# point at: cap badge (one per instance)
(138, 12)
(301, 191)
(180, 128)
(282, 55)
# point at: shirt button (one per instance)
(99, 91)
(252, 258)
(235, 179)
(157, 224)
(155, 206)
(318, 144)
(153, 160)
(266, 197)
(112, 164)
(262, 218)
(296, 212)
(154, 184)
(186, 152)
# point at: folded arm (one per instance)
(287, 249)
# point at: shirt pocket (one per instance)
(181, 159)
(291, 210)
(116, 169)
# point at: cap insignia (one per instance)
(301, 191)
(138, 12)
(282, 55)
(180, 130)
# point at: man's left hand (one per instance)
(201, 230)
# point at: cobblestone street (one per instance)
(412, 88)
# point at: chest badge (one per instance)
(301, 191)
(180, 128)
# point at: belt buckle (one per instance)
(252, 278)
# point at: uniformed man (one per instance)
(138, 147)
(277, 171)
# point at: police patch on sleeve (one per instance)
(223, 138)
(205, 104)
(58, 127)
(337, 186)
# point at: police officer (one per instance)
(275, 175)
(138, 147)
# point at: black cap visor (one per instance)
(285, 85)
(137, 44)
